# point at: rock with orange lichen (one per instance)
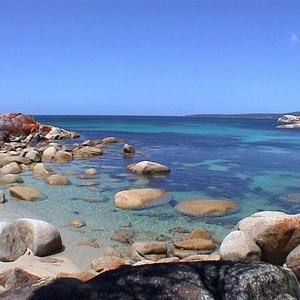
(21, 125)
(276, 233)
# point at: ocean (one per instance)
(247, 161)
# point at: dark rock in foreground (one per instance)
(200, 280)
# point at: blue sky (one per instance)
(149, 57)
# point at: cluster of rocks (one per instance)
(17, 157)
(183, 246)
(290, 120)
(18, 126)
(150, 270)
(269, 236)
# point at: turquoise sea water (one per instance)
(248, 161)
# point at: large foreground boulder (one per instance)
(148, 167)
(184, 281)
(139, 198)
(276, 234)
(39, 236)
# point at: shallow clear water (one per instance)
(248, 161)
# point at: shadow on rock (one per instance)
(199, 280)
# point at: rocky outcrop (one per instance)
(291, 121)
(275, 233)
(40, 237)
(185, 281)
(206, 207)
(13, 125)
(139, 198)
(148, 168)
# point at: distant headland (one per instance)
(245, 116)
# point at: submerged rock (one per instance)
(148, 167)
(90, 172)
(25, 193)
(11, 178)
(76, 223)
(139, 198)
(56, 179)
(111, 140)
(11, 168)
(123, 236)
(206, 207)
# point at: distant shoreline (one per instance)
(232, 116)
(244, 116)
